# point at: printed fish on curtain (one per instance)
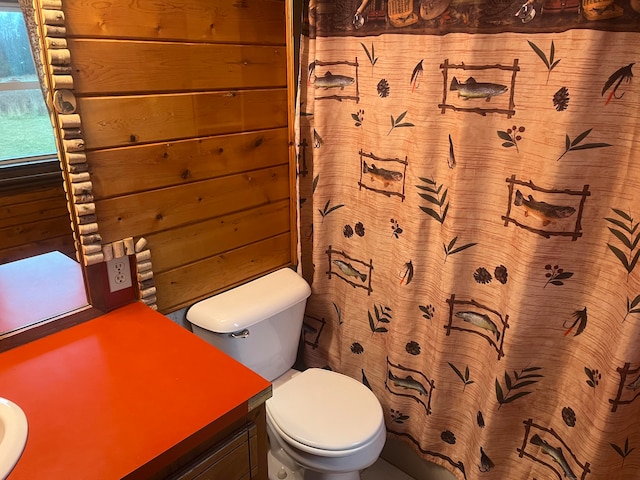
(470, 224)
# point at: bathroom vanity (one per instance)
(133, 395)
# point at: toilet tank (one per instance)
(258, 323)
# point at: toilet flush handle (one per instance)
(241, 334)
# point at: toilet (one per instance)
(321, 425)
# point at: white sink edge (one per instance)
(14, 438)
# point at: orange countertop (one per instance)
(108, 396)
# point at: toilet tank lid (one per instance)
(247, 304)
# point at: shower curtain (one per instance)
(470, 225)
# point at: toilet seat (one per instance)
(318, 452)
(325, 413)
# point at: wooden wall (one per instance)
(187, 126)
(34, 220)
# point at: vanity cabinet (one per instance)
(233, 459)
(237, 452)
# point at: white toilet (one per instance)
(322, 425)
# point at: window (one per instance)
(27, 143)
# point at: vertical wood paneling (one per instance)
(293, 35)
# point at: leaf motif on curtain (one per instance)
(573, 145)
(523, 378)
(440, 200)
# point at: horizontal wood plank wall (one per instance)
(117, 121)
(114, 66)
(34, 221)
(185, 118)
(258, 22)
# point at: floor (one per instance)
(380, 470)
(383, 470)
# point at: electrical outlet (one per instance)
(119, 274)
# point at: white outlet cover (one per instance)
(119, 274)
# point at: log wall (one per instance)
(186, 122)
(34, 220)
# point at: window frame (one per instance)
(36, 170)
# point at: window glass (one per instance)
(25, 127)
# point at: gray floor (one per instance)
(383, 470)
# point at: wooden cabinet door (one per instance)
(231, 459)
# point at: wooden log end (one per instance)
(52, 17)
(152, 306)
(85, 208)
(80, 177)
(56, 43)
(86, 219)
(107, 251)
(73, 145)
(143, 256)
(61, 56)
(141, 244)
(76, 157)
(118, 249)
(55, 31)
(90, 238)
(64, 101)
(71, 120)
(88, 229)
(148, 292)
(149, 300)
(83, 198)
(144, 267)
(145, 276)
(129, 248)
(60, 82)
(91, 248)
(81, 188)
(93, 259)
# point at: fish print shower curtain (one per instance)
(470, 224)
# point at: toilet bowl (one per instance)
(329, 424)
(321, 425)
